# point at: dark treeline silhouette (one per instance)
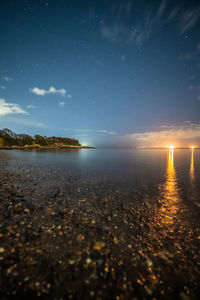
(9, 138)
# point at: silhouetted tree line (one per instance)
(10, 138)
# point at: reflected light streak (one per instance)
(192, 165)
(170, 193)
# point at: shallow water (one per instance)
(100, 223)
(128, 168)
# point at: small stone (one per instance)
(37, 284)
(148, 290)
(80, 238)
(184, 296)
(26, 279)
(149, 263)
(72, 262)
(98, 245)
(91, 293)
(105, 200)
(88, 260)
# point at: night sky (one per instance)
(104, 72)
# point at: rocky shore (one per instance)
(62, 237)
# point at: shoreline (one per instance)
(45, 147)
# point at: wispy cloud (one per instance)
(109, 132)
(30, 106)
(120, 33)
(101, 131)
(10, 108)
(136, 32)
(116, 30)
(186, 16)
(189, 19)
(80, 135)
(2, 87)
(61, 104)
(187, 55)
(161, 8)
(6, 78)
(179, 135)
(51, 90)
(26, 122)
(173, 14)
(83, 130)
(194, 87)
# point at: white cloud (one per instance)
(51, 90)
(30, 106)
(179, 135)
(61, 104)
(10, 108)
(6, 78)
(69, 96)
(39, 92)
(2, 87)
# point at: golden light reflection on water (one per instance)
(192, 165)
(171, 188)
(170, 192)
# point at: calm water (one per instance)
(176, 171)
(132, 215)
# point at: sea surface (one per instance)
(100, 224)
(176, 171)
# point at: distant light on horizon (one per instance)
(171, 147)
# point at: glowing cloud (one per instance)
(179, 135)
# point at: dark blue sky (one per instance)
(105, 72)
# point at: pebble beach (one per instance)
(62, 237)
